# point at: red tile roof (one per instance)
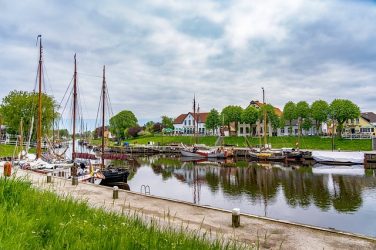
(201, 117)
(277, 111)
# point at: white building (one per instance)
(184, 124)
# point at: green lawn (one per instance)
(32, 219)
(7, 150)
(308, 142)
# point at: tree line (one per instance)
(307, 116)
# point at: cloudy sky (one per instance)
(158, 53)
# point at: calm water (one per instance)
(343, 198)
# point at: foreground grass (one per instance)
(32, 219)
(8, 150)
(308, 142)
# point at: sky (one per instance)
(159, 53)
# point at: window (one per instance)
(357, 120)
(282, 130)
(185, 122)
(247, 130)
(241, 130)
(189, 122)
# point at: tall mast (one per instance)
(74, 108)
(265, 122)
(103, 109)
(21, 138)
(194, 117)
(39, 128)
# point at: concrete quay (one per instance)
(269, 233)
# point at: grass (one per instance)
(33, 219)
(307, 142)
(7, 150)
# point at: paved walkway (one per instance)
(215, 222)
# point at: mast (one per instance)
(21, 138)
(103, 109)
(74, 109)
(194, 117)
(39, 128)
(265, 122)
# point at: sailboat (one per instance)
(202, 151)
(265, 153)
(111, 175)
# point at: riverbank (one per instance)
(306, 142)
(267, 233)
(32, 219)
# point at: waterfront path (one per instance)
(215, 222)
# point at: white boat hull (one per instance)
(338, 157)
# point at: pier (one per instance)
(215, 223)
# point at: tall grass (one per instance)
(33, 219)
(8, 150)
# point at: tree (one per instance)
(250, 115)
(213, 120)
(23, 105)
(167, 122)
(319, 112)
(157, 127)
(307, 123)
(302, 113)
(121, 121)
(132, 132)
(341, 110)
(232, 113)
(149, 126)
(289, 113)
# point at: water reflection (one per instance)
(315, 195)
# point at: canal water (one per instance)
(341, 197)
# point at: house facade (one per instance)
(364, 125)
(185, 124)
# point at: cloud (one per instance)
(159, 53)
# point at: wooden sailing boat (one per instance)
(112, 175)
(265, 153)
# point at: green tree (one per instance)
(319, 112)
(289, 113)
(307, 123)
(213, 120)
(341, 110)
(250, 115)
(23, 105)
(149, 126)
(167, 122)
(232, 113)
(302, 113)
(121, 121)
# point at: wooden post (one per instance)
(74, 180)
(115, 192)
(49, 177)
(235, 217)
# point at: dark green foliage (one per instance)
(319, 112)
(341, 110)
(121, 121)
(213, 120)
(167, 122)
(289, 112)
(23, 105)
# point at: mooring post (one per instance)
(49, 177)
(115, 192)
(236, 217)
(74, 180)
